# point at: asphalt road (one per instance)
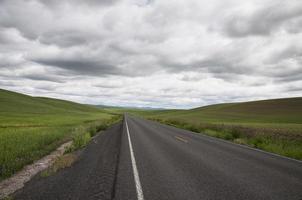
(140, 159)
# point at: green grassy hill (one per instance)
(273, 125)
(31, 127)
(275, 111)
(287, 110)
(22, 110)
(16, 102)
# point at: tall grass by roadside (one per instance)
(271, 140)
(31, 127)
(274, 125)
(82, 135)
(22, 146)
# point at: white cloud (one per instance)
(179, 53)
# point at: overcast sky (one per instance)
(158, 53)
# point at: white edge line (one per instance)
(248, 147)
(139, 191)
(201, 134)
(259, 150)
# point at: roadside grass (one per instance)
(19, 147)
(273, 125)
(61, 162)
(271, 140)
(22, 146)
(32, 127)
(81, 136)
(8, 198)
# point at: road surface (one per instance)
(140, 159)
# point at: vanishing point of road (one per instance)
(139, 159)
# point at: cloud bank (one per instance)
(174, 54)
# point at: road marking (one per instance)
(247, 147)
(181, 139)
(262, 151)
(226, 141)
(139, 191)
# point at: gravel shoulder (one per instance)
(92, 176)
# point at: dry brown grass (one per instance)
(61, 162)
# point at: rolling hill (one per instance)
(31, 127)
(23, 110)
(16, 102)
(276, 111)
(273, 125)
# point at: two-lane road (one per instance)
(140, 159)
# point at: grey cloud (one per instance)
(258, 84)
(292, 52)
(47, 87)
(6, 36)
(44, 77)
(55, 3)
(295, 75)
(106, 85)
(295, 26)
(11, 61)
(220, 66)
(190, 78)
(285, 64)
(100, 63)
(293, 89)
(65, 38)
(81, 66)
(150, 52)
(30, 18)
(7, 83)
(265, 20)
(38, 17)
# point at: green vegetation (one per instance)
(272, 125)
(31, 127)
(8, 198)
(61, 162)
